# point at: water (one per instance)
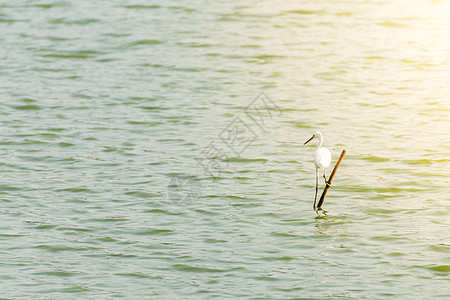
(104, 105)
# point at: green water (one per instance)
(106, 108)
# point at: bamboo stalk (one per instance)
(327, 187)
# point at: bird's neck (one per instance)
(319, 144)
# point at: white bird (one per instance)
(322, 159)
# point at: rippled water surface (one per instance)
(117, 179)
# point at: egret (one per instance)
(322, 159)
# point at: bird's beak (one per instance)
(308, 140)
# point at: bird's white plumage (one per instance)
(322, 158)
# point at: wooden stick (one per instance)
(327, 187)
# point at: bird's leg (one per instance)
(325, 177)
(317, 187)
